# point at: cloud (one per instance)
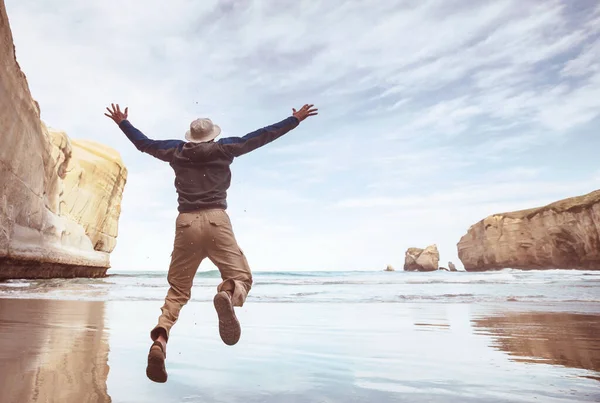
(496, 190)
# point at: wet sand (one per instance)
(77, 351)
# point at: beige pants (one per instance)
(202, 234)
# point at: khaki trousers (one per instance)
(202, 234)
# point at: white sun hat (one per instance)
(202, 130)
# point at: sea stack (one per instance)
(417, 259)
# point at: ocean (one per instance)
(562, 287)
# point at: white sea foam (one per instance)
(15, 284)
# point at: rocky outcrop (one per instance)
(561, 235)
(410, 259)
(389, 268)
(59, 199)
(417, 259)
(451, 266)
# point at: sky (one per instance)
(432, 114)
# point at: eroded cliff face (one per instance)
(92, 192)
(561, 235)
(59, 199)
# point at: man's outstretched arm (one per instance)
(237, 146)
(161, 149)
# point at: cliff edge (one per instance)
(60, 199)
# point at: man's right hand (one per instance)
(116, 114)
(304, 112)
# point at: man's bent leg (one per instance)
(229, 258)
(187, 255)
(224, 252)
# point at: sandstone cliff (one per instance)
(59, 199)
(561, 235)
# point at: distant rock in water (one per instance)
(561, 235)
(389, 268)
(410, 259)
(60, 199)
(451, 266)
(443, 269)
(417, 259)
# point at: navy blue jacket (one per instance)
(202, 170)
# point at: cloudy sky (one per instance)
(433, 114)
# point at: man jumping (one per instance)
(203, 228)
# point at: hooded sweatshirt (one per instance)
(202, 170)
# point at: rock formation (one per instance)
(410, 259)
(561, 235)
(451, 266)
(417, 259)
(59, 199)
(389, 268)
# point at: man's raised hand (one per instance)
(304, 112)
(116, 114)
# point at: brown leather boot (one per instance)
(229, 326)
(156, 370)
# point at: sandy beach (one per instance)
(95, 351)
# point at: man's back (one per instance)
(202, 176)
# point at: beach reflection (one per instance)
(53, 351)
(557, 338)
